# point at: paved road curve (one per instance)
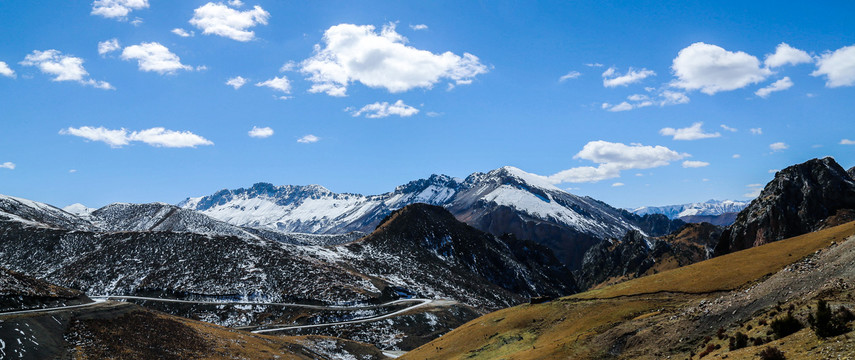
(422, 302)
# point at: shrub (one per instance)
(738, 341)
(720, 333)
(710, 348)
(826, 323)
(785, 325)
(758, 341)
(772, 353)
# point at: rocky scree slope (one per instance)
(795, 202)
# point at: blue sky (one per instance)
(361, 97)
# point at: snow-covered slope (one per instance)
(314, 209)
(161, 217)
(34, 213)
(505, 200)
(711, 207)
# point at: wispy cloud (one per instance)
(157, 136)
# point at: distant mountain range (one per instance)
(505, 200)
(707, 208)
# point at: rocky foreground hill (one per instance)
(795, 202)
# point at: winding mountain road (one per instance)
(423, 302)
(101, 299)
(59, 308)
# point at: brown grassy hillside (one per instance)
(667, 314)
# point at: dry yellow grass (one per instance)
(730, 271)
(560, 329)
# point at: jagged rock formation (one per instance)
(633, 256)
(851, 172)
(793, 203)
(630, 256)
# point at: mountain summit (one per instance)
(504, 200)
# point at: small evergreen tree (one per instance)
(826, 323)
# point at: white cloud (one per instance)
(235, 3)
(787, 55)
(72, 171)
(838, 67)
(624, 106)
(219, 19)
(636, 101)
(618, 184)
(114, 138)
(308, 139)
(594, 65)
(182, 33)
(63, 68)
(155, 57)
(611, 78)
(261, 133)
(710, 69)
(158, 136)
(669, 97)
(736, 156)
(236, 82)
(136, 22)
(772, 171)
(7, 165)
(277, 83)
(117, 9)
(570, 75)
(6, 71)
(694, 164)
(779, 146)
(353, 53)
(384, 109)
(753, 190)
(419, 27)
(614, 157)
(108, 46)
(779, 85)
(693, 132)
(756, 131)
(847, 142)
(728, 128)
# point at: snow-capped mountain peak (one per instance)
(709, 207)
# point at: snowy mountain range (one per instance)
(709, 208)
(505, 200)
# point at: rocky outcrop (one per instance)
(633, 256)
(851, 172)
(794, 203)
(629, 257)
